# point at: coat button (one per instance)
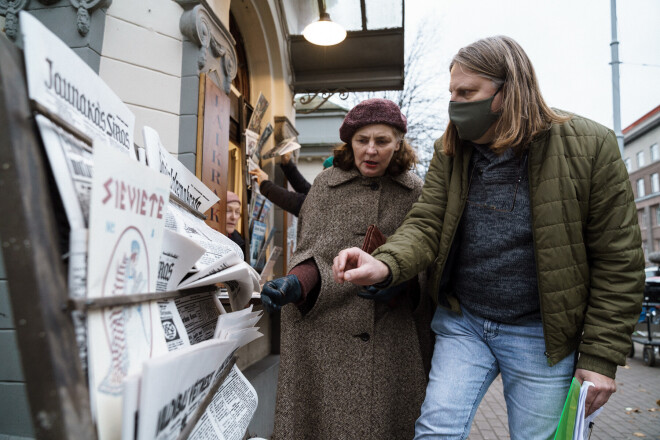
(364, 336)
(374, 186)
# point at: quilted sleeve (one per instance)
(613, 242)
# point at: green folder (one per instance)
(567, 419)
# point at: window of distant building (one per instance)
(655, 182)
(640, 188)
(657, 215)
(628, 163)
(655, 152)
(640, 159)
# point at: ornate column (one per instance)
(216, 53)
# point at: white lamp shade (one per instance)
(324, 33)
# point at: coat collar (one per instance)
(338, 177)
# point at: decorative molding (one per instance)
(11, 8)
(217, 52)
(85, 7)
(323, 96)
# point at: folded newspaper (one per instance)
(159, 402)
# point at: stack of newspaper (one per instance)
(127, 237)
(161, 400)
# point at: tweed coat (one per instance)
(587, 242)
(351, 368)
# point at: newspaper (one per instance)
(286, 146)
(172, 386)
(222, 261)
(257, 115)
(64, 84)
(257, 241)
(251, 142)
(183, 184)
(214, 243)
(230, 412)
(71, 162)
(189, 320)
(178, 256)
(190, 372)
(263, 139)
(127, 215)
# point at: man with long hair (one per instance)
(528, 223)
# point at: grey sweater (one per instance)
(495, 270)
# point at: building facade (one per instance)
(642, 158)
(318, 125)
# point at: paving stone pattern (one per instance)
(626, 415)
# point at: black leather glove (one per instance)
(279, 292)
(382, 295)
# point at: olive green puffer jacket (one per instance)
(586, 240)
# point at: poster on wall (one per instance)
(64, 84)
(213, 148)
(127, 219)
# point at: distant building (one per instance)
(319, 133)
(642, 158)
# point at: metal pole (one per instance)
(616, 96)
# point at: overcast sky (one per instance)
(568, 42)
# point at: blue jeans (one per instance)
(469, 354)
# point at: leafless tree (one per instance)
(424, 95)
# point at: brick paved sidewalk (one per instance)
(625, 417)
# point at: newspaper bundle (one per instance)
(160, 401)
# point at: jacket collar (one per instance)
(338, 177)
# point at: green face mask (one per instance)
(472, 119)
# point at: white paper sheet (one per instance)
(172, 387)
(126, 228)
(178, 256)
(581, 430)
(184, 184)
(63, 83)
(230, 411)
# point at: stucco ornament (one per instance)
(84, 8)
(10, 9)
(217, 55)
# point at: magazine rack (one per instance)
(32, 245)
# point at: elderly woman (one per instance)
(351, 361)
(233, 217)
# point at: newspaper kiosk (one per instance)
(87, 380)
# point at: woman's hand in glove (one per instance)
(382, 295)
(279, 292)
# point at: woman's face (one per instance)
(233, 216)
(373, 148)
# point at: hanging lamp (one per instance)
(324, 32)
